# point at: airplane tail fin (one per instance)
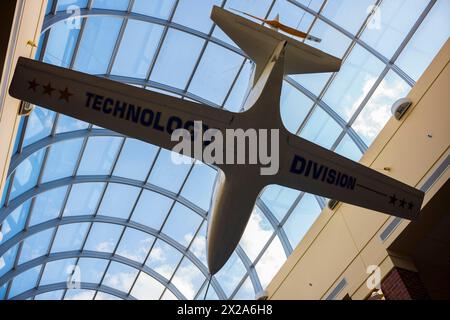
(259, 43)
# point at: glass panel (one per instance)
(271, 262)
(5, 191)
(353, 82)
(135, 160)
(348, 148)
(61, 44)
(348, 14)
(68, 124)
(135, 245)
(49, 7)
(14, 222)
(152, 209)
(20, 131)
(255, 7)
(61, 160)
(99, 155)
(333, 42)
(294, 107)
(158, 9)
(231, 274)
(36, 246)
(396, 18)
(57, 271)
(236, 98)
(120, 276)
(118, 201)
(279, 199)
(199, 185)
(215, 73)
(246, 292)
(52, 295)
(198, 246)
(39, 125)
(164, 259)
(137, 49)
(167, 174)
(79, 294)
(92, 270)
(177, 58)
(69, 237)
(377, 111)
(195, 14)
(63, 5)
(188, 279)
(321, 129)
(427, 41)
(83, 199)
(113, 5)
(105, 296)
(301, 219)
(314, 82)
(147, 288)
(256, 235)
(24, 282)
(168, 295)
(27, 174)
(182, 224)
(97, 44)
(103, 237)
(7, 260)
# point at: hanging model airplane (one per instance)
(152, 117)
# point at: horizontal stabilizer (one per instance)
(259, 42)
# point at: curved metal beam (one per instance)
(18, 158)
(21, 236)
(90, 254)
(51, 20)
(62, 285)
(14, 204)
(160, 86)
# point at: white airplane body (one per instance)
(152, 117)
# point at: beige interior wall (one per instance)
(26, 26)
(344, 242)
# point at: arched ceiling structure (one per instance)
(87, 204)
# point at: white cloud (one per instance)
(256, 235)
(83, 295)
(105, 246)
(378, 110)
(120, 281)
(270, 262)
(147, 288)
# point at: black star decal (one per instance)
(402, 203)
(393, 199)
(48, 89)
(410, 206)
(65, 94)
(32, 85)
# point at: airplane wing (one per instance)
(311, 168)
(138, 113)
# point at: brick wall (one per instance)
(401, 284)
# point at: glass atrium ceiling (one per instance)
(134, 224)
